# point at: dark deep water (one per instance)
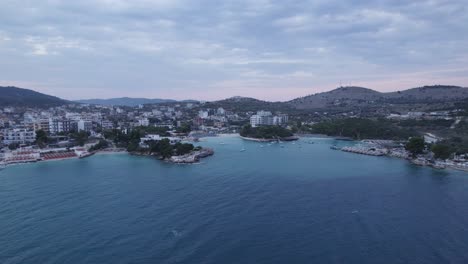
(303, 203)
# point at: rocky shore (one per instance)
(378, 149)
(192, 157)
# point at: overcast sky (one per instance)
(189, 49)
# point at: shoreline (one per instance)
(438, 165)
(67, 158)
(292, 138)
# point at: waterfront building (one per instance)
(19, 136)
(42, 124)
(60, 125)
(280, 119)
(84, 125)
(262, 118)
(155, 137)
(265, 118)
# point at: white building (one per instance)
(262, 118)
(280, 120)
(106, 124)
(58, 126)
(143, 122)
(20, 136)
(154, 137)
(265, 118)
(430, 138)
(84, 125)
(221, 111)
(203, 114)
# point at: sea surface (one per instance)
(281, 203)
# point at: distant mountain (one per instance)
(362, 97)
(243, 104)
(428, 94)
(350, 94)
(14, 96)
(125, 101)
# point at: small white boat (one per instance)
(222, 143)
(242, 150)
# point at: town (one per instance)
(79, 130)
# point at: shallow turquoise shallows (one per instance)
(272, 203)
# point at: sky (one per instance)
(208, 50)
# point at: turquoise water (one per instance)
(300, 203)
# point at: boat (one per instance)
(2, 166)
(242, 150)
(335, 147)
(222, 143)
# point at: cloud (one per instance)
(200, 48)
(52, 45)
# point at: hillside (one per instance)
(429, 94)
(243, 104)
(125, 101)
(20, 97)
(340, 96)
(364, 97)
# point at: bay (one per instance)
(272, 203)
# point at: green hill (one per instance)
(14, 96)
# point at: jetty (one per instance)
(371, 151)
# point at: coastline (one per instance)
(189, 158)
(292, 138)
(385, 152)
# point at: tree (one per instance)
(184, 128)
(41, 138)
(165, 148)
(183, 148)
(13, 146)
(441, 151)
(415, 145)
(80, 137)
(102, 144)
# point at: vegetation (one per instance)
(131, 140)
(453, 145)
(164, 148)
(441, 151)
(360, 128)
(415, 145)
(427, 124)
(80, 137)
(41, 138)
(184, 128)
(13, 146)
(265, 132)
(102, 144)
